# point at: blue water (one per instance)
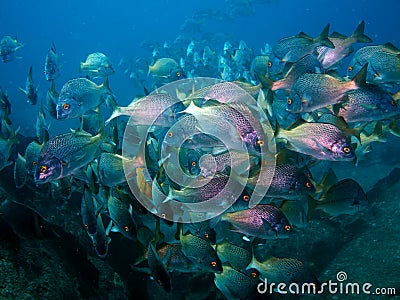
(123, 29)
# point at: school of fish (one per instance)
(199, 174)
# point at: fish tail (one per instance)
(265, 81)
(323, 37)
(116, 113)
(312, 207)
(359, 35)
(360, 78)
(30, 72)
(378, 134)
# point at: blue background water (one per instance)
(128, 29)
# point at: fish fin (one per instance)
(359, 35)
(304, 35)
(145, 270)
(391, 48)
(337, 35)
(323, 37)
(214, 221)
(22, 90)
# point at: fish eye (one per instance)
(260, 143)
(308, 184)
(105, 242)
(34, 163)
(159, 281)
(269, 64)
(126, 228)
(376, 75)
(346, 149)
(65, 106)
(43, 169)
(350, 68)
(170, 134)
(213, 263)
(206, 235)
(193, 164)
(287, 227)
(289, 101)
(253, 274)
(246, 198)
(86, 226)
(179, 74)
(393, 102)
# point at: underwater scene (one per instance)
(243, 149)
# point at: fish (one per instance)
(51, 100)
(64, 154)
(216, 188)
(30, 91)
(173, 259)
(366, 104)
(383, 63)
(189, 159)
(5, 107)
(89, 212)
(283, 270)
(320, 140)
(296, 212)
(293, 48)
(158, 109)
(239, 116)
(234, 284)
(100, 238)
(51, 66)
(20, 172)
(329, 57)
(227, 47)
(61, 189)
(190, 48)
(121, 215)
(263, 220)
(238, 257)
(42, 126)
(314, 91)
(32, 153)
(97, 65)
(224, 92)
(163, 68)
(7, 144)
(111, 171)
(91, 122)
(288, 182)
(201, 252)
(158, 270)
(242, 56)
(346, 197)
(80, 95)
(210, 164)
(260, 66)
(307, 64)
(8, 48)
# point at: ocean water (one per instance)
(128, 31)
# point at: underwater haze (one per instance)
(199, 149)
